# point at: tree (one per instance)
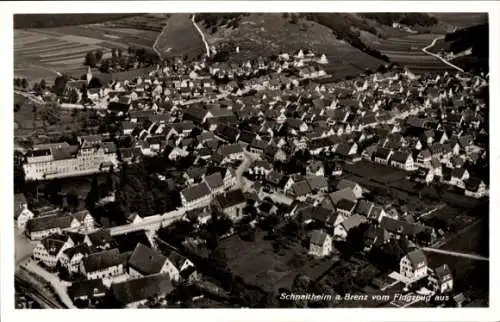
(92, 195)
(83, 90)
(94, 83)
(72, 199)
(355, 240)
(43, 84)
(17, 107)
(24, 83)
(98, 55)
(73, 96)
(90, 59)
(105, 65)
(60, 84)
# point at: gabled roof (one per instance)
(353, 221)
(417, 258)
(214, 181)
(53, 244)
(400, 156)
(364, 207)
(443, 273)
(102, 260)
(146, 260)
(49, 222)
(344, 183)
(318, 237)
(347, 205)
(87, 288)
(231, 198)
(196, 192)
(142, 288)
(317, 182)
(345, 193)
(100, 237)
(301, 188)
(229, 149)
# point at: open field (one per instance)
(180, 38)
(461, 19)
(41, 53)
(270, 33)
(259, 265)
(407, 51)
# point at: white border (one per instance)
(7, 256)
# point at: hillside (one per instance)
(22, 21)
(477, 39)
(271, 33)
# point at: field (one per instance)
(180, 38)
(270, 33)
(462, 19)
(41, 53)
(407, 51)
(259, 265)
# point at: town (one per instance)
(220, 184)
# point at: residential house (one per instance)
(231, 203)
(260, 167)
(346, 207)
(377, 214)
(300, 190)
(402, 160)
(134, 292)
(231, 152)
(327, 218)
(413, 266)
(475, 187)
(196, 196)
(85, 219)
(412, 231)
(441, 279)
(382, 156)
(230, 179)
(315, 169)
(318, 184)
(102, 264)
(71, 258)
(50, 249)
(179, 268)
(320, 244)
(354, 186)
(22, 215)
(145, 261)
(86, 290)
(41, 227)
(215, 183)
(364, 207)
(458, 177)
(341, 231)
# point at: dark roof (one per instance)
(229, 149)
(353, 221)
(53, 244)
(443, 273)
(146, 260)
(317, 182)
(196, 192)
(417, 257)
(128, 242)
(231, 198)
(49, 222)
(318, 237)
(364, 207)
(102, 260)
(320, 214)
(214, 180)
(87, 288)
(142, 288)
(344, 183)
(400, 156)
(100, 237)
(382, 153)
(345, 204)
(301, 188)
(401, 227)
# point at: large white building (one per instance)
(57, 160)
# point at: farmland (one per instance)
(180, 38)
(258, 264)
(41, 53)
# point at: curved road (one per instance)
(458, 254)
(425, 50)
(207, 48)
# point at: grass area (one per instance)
(180, 38)
(374, 171)
(259, 265)
(56, 20)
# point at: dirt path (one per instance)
(207, 48)
(425, 50)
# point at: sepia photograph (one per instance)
(236, 159)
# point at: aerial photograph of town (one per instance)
(251, 160)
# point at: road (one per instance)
(207, 48)
(248, 159)
(149, 223)
(452, 253)
(29, 96)
(156, 42)
(28, 284)
(425, 50)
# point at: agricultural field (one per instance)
(42, 53)
(461, 19)
(270, 33)
(259, 265)
(180, 38)
(407, 51)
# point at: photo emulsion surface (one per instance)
(251, 160)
